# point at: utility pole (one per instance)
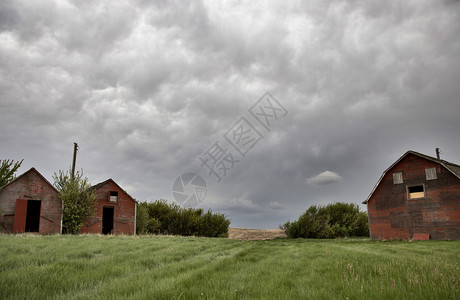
(75, 148)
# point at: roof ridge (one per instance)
(433, 158)
(451, 167)
(28, 171)
(97, 186)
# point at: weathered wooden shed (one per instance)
(417, 195)
(115, 211)
(30, 203)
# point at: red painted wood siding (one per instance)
(20, 215)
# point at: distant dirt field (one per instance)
(254, 234)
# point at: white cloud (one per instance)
(325, 178)
(274, 205)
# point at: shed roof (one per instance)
(101, 184)
(27, 172)
(451, 167)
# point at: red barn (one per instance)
(30, 204)
(417, 195)
(115, 211)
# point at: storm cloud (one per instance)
(147, 88)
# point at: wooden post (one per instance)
(75, 148)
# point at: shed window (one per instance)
(416, 191)
(397, 178)
(113, 196)
(431, 174)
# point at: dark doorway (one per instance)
(107, 220)
(33, 215)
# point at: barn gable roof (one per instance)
(27, 172)
(451, 167)
(101, 184)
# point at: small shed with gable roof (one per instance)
(30, 203)
(115, 210)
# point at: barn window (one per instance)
(397, 178)
(431, 174)
(113, 196)
(416, 191)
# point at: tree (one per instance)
(7, 170)
(142, 218)
(77, 199)
(164, 218)
(331, 221)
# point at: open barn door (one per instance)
(27, 216)
(107, 220)
(33, 216)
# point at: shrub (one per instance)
(142, 217)
(153, 226)
(214, 225)
(78, 200)
(331, 221)
(162, 217)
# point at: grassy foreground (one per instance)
(162, 267)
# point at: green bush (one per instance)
(214, 225)
(142, 217)
(331, 221)
(78, 200)
(164, 218)
(153, 226)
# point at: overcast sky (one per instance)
(146, 89)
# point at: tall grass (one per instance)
(164, 267)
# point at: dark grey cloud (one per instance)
(146, 88)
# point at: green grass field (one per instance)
(163, 267)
